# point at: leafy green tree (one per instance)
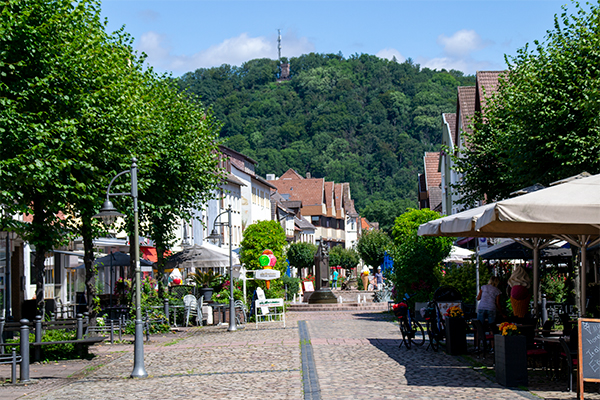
(301, 255)
(372, 246)
(63, 118)
(543, 123)
(345, 258)
(417, 257)
(258, 237)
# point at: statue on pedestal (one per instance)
(323, 293)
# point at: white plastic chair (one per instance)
(191, 308)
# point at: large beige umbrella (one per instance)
(569, 211)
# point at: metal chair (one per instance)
(571, 360)
(191, 308)
(242, 306)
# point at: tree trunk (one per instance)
(39, 216)
(160, 265)
(90, 270)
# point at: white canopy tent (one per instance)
(458, 255)
(203, 257)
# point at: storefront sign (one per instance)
(267, 274)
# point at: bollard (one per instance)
(167, 311)
(24, 343)
(112, 332)
(2, 334)
(13, 370)
(86, 322)
(37, 351)
(79, 326)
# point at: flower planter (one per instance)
(456, 336)
(511, 360)
(206, 293)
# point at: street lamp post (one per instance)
(216, 236)
(108, 213)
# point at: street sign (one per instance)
(266, 274)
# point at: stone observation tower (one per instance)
(285, 67)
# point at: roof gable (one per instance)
(291, 174)
(309, 191)
(465, 110)
(487, 84)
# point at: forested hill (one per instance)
(362, 119)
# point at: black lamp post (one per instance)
(216, 236)
(108, 213)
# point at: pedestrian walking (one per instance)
(379, 278)
(335, 279)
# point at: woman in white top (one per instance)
(489, 296)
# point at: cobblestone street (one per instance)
(353, 355)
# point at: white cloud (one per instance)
(233, 51)
(458, 50)
(461, 43)
(390, 53)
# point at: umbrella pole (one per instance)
(582, 275)
(477, 269)
(536, 275)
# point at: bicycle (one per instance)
(410, 328)
(436, 331)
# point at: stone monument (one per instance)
(322, 293)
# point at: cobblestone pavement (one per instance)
(356, 356)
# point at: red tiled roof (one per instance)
(433, 177)
(364, 224)
(450, 119)
(487, 84)
(329, 195)
(338, 196)
(465, 110)
(309, 191)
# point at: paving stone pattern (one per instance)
(356, 356)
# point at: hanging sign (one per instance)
(267, 274)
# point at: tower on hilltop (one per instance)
(285, 67)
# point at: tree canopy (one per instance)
(543, 124)
(372, 246)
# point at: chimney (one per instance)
(308, 175)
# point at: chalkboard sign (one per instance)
(589, 352)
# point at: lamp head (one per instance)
(214, 236)
(108, 213)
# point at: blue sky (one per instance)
(181, 36)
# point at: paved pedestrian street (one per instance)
(318, 355)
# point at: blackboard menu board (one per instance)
(589, 352)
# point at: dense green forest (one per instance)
(361, 119)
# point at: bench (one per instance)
(24, 344)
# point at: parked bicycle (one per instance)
(436, 330)
(410, 328)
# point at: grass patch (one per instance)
(172, 342)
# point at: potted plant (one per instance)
(456, 331)
(206, 282)
(510, 350)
